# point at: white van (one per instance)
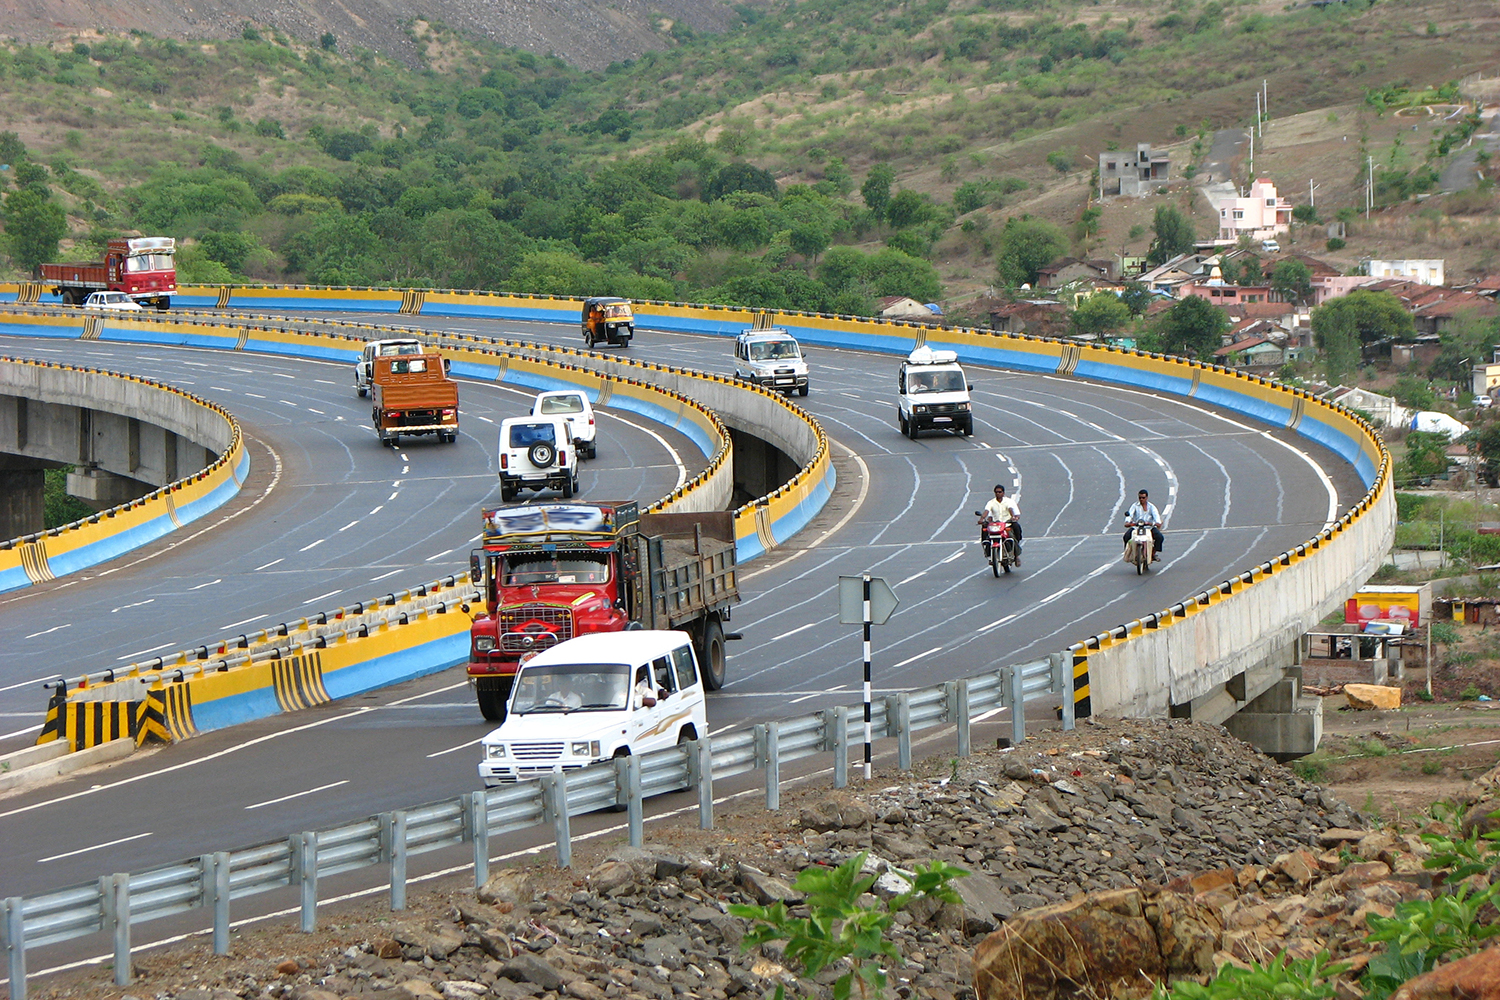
(933, 394)
(364, 367)
(595, 697)
(771, 358)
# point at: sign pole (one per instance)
(866, 609)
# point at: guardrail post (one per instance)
(213, 882)
(773, 766)
(120, 910)
(479, 833)
(396, 831)
(1017, 706)
(901, 720)
(555, 808)
(305, 874)
(628, 794)
(15, 946)
(836, 725)
(1062, 666)
(958, 714)
(704, 754)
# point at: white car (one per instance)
(111, 300)
(537, 453)
(365, 366)
(933, 394)
(1270, 246)
(574, 407)
(596, 697)
(771, 358)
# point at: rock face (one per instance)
(1372, 696)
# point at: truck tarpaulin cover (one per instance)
(1438, 423)
(547, 517)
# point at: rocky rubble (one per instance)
(1169, 844)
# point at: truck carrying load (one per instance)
(413, 395)
(549, 572)
(141, 267)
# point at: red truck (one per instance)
(549, 572)
(140, 266)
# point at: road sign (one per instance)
(852, 600)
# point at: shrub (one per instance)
(1334, 243)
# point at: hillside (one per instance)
(737, 166)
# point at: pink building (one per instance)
(1261, 216)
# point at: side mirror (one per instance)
(448, 366)
(979, 513)
(971, 386)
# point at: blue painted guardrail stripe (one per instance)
(403, 665)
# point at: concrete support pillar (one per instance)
(102, 490)
(23, 501)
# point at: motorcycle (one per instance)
(1141, 547)
(996, 543)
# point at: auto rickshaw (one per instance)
(607, 321)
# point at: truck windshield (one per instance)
(938, 381)
(584, 687)
(770, 350)
(149, 262)
(522, 569)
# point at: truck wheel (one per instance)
(711, 653)
(492, 694)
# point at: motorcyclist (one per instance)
(1004, 508)
(1143, 511)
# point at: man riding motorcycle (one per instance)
(1004, 508)
(1143, 511)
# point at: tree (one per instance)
(740, 177)
(908, 208)
(809, 239)
(1336, 337)
(1025, 246)
(1099, 314)
(1174, 235)
(1137, 298)
(1292, 280)
(1426, 455)
(1370, 316)
(1193, 327)
(1466, 341)
(876, 190)
(33, 225)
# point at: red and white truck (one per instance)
(139, 266)
(549, 572)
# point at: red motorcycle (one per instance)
(996, 542)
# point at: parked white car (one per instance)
(574, 407)
(111, 300)
(537, 453)
(596, 697)
(365, 366)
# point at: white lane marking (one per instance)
(288, 402)
(377, 510)
(220, 388)
(439, 555)
(47, 632)
(268, 565)
(210, 584)
(676, 458)
(323, 597)
(312, 545)
(349, 525)
(247, 621)
(392, 497)
(283, 375)
(461, 746)
(318, 412)
(96, 847)
(131, 656)
(137, 604)
(255, 395)
(485, 419)
(995, 624)
(384, 575)
(914, 659)
(941, 562)
(800, 628)
(296, 795)
(22, 684)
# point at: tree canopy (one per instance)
(1026, 245)
(1174, 235)
(1193, 327)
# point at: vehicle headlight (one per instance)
(494, 750)
(484, 643)
(919, 409)
(586, 748)
(963, 406)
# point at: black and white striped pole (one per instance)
(866, 600)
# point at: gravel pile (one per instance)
(1114, 804)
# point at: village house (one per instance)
(909, 309)
(1069, 269)
(1133, 175)
(1428, 272)
(1262, 215)
(1038, 317)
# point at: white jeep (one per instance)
(934, 394)
(574, 407)
(537, 453)
(771, 358)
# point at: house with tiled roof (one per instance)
(1069, 269)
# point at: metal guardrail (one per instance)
(113, 903)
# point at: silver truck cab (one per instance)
(365, 366)
(771, 358)
(933, 394)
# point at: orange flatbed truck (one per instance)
(413, 395)
(141, 267)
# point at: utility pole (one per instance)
(1265, 99)
(1252, 156)
(1370, 186)
(1311, 187)
(1256, 130)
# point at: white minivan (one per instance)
(595, 697)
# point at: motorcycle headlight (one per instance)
(588, 748)
(484, 643)
(493, 751)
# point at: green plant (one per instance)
(1470, 693)
(1309, 769)
(1334, 243)
(838, 930)
(1280, 979)
(1423, 694)
(1432, 767)
(1422, 933)
(1444, 633)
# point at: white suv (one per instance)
(364, 367)
(771, 358)
(934, 394)
(574, 407)
(537, 453)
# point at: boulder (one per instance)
(1087, 944)
(1476, 977)
(836, 812)
(1372, 696)
(527, 968)
(509, 885)
(1187, 933)
(766, 889)
(610, 877)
